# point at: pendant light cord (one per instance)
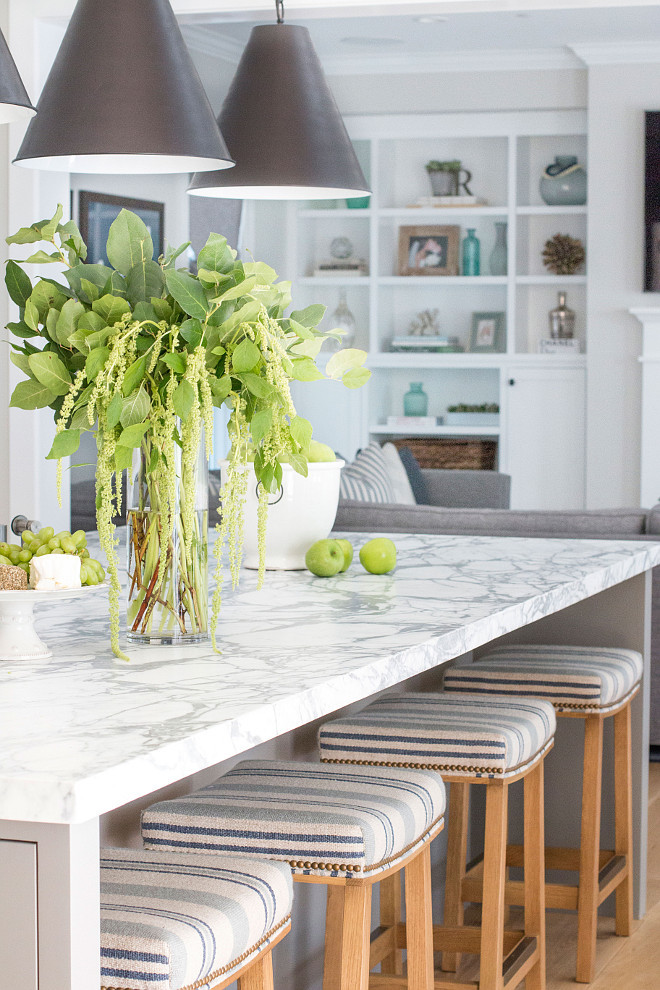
(279, 7)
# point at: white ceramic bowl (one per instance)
(300, 514)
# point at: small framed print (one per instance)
(487, 333)
(97, 211)
(431, 250)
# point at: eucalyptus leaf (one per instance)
(162, 308)
(80, 419)
(123, 459)
(72, 237)
(246, 356)
(307, 348)
(42, 258)
(132, 436)
(343, 361)
(260, 424)
(134, 376)
(171, 254)
(115, 286)
(356, 377)
(143, 281)
(91, 321)
(26, 235)
(309, 317)
(135, 408)
(299, 463)
(220, 387)
(49, 229)
(64, 444)
(114, 410)
(192, 333)
(145, 313)
(91, 291)
(48, 369)
(184, 399)
(96, 360)
(111, 308)
(246, 314)
(46, 296)
(21, 330)
(188, 292)
(258, 386)
(67, 322)
(21, 362)
(304, 370)
(216, 255)
(243, 289)
(129, 242)
(97, 275)
(18, 284)
(31, 316)
(52, 317)
(31, 395)
(175, 361)
(301, 431)
(264, 274)
(303, 332)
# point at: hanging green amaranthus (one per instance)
(139, 352)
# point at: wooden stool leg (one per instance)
(534, 854)
(259, 976)
(623, 816)
(390, 916)
(419, 922)
(459, 806)
(334, 925)
(355, 937)
(492, 920)
(589, 848)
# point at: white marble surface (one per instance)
(82, 733)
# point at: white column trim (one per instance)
(649, 317)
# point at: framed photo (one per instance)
(487, 333)
(97, 211)
(431, 250)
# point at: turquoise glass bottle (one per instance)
(416, 401)
(471, 253)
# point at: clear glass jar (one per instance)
(343, 319)
(562, 320)
(499, 256)
(471, 253)
(416, 401)
(172, 606)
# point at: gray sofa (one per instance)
(444, 516)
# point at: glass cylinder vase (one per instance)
(167, 574)
(499, 256)
(471, 253)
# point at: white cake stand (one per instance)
(18, 637)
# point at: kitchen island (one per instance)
(83, 735)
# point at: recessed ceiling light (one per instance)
(372, 42)
(431, 19)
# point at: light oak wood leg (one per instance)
(534, 854)
(390, 916)
(492, 921)
(419, 921)
(259, 976)
(459, 806)
(589, 848)
(334, 927)
(355, 937)
(623, 816)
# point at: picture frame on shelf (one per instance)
(97, 211)
(487, 333)
(429, 250)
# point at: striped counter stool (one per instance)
(344, 828)
(591, 684)
(182, 922)
(491, 742)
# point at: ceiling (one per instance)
(407, 36)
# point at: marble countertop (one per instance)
(82, 733)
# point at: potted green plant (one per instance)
(139, 352)
(445, 177)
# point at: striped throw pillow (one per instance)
(367, 479)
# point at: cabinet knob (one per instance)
(512, 381)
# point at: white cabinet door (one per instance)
(544, 436)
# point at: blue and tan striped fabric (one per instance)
(582, 678)
(322, 820)
(168, 921)
(447, 732)
(367, 479)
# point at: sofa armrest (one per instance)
(468, 489)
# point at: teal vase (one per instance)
(471, 254)
(499, 255)
(416, 401)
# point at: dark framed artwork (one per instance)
(430, 250)
(652, 203)
(97, 211)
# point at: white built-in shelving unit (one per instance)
(506, 154)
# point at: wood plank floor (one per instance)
(621, 963)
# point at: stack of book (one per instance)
(417, 344)
(444, 201)
(559, 345)
(343, 267)
(414, 422)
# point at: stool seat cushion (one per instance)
(581, 678)
(168, 921)
(322, 820)
(455, 734)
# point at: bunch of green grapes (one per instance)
(47, 541)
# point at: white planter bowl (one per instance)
(303, 512)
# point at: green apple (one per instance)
(320, 452)
(325, 558)
(347, 547)
(378, 556)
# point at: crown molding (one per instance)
(488, 60)
(615, 52)
(200, 39)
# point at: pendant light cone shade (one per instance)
(123, 96)
(282, 126)
(14, 102)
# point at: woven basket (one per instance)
(463, 455)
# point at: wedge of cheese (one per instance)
(55, 572)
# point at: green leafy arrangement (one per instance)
(139, 352)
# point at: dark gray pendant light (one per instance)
(14, 101)
(123, 96)
(282, 125)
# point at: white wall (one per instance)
(618, 97)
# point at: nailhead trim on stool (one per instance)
(171, 921)
(321, 820)
(452, 733)
(576, 678)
